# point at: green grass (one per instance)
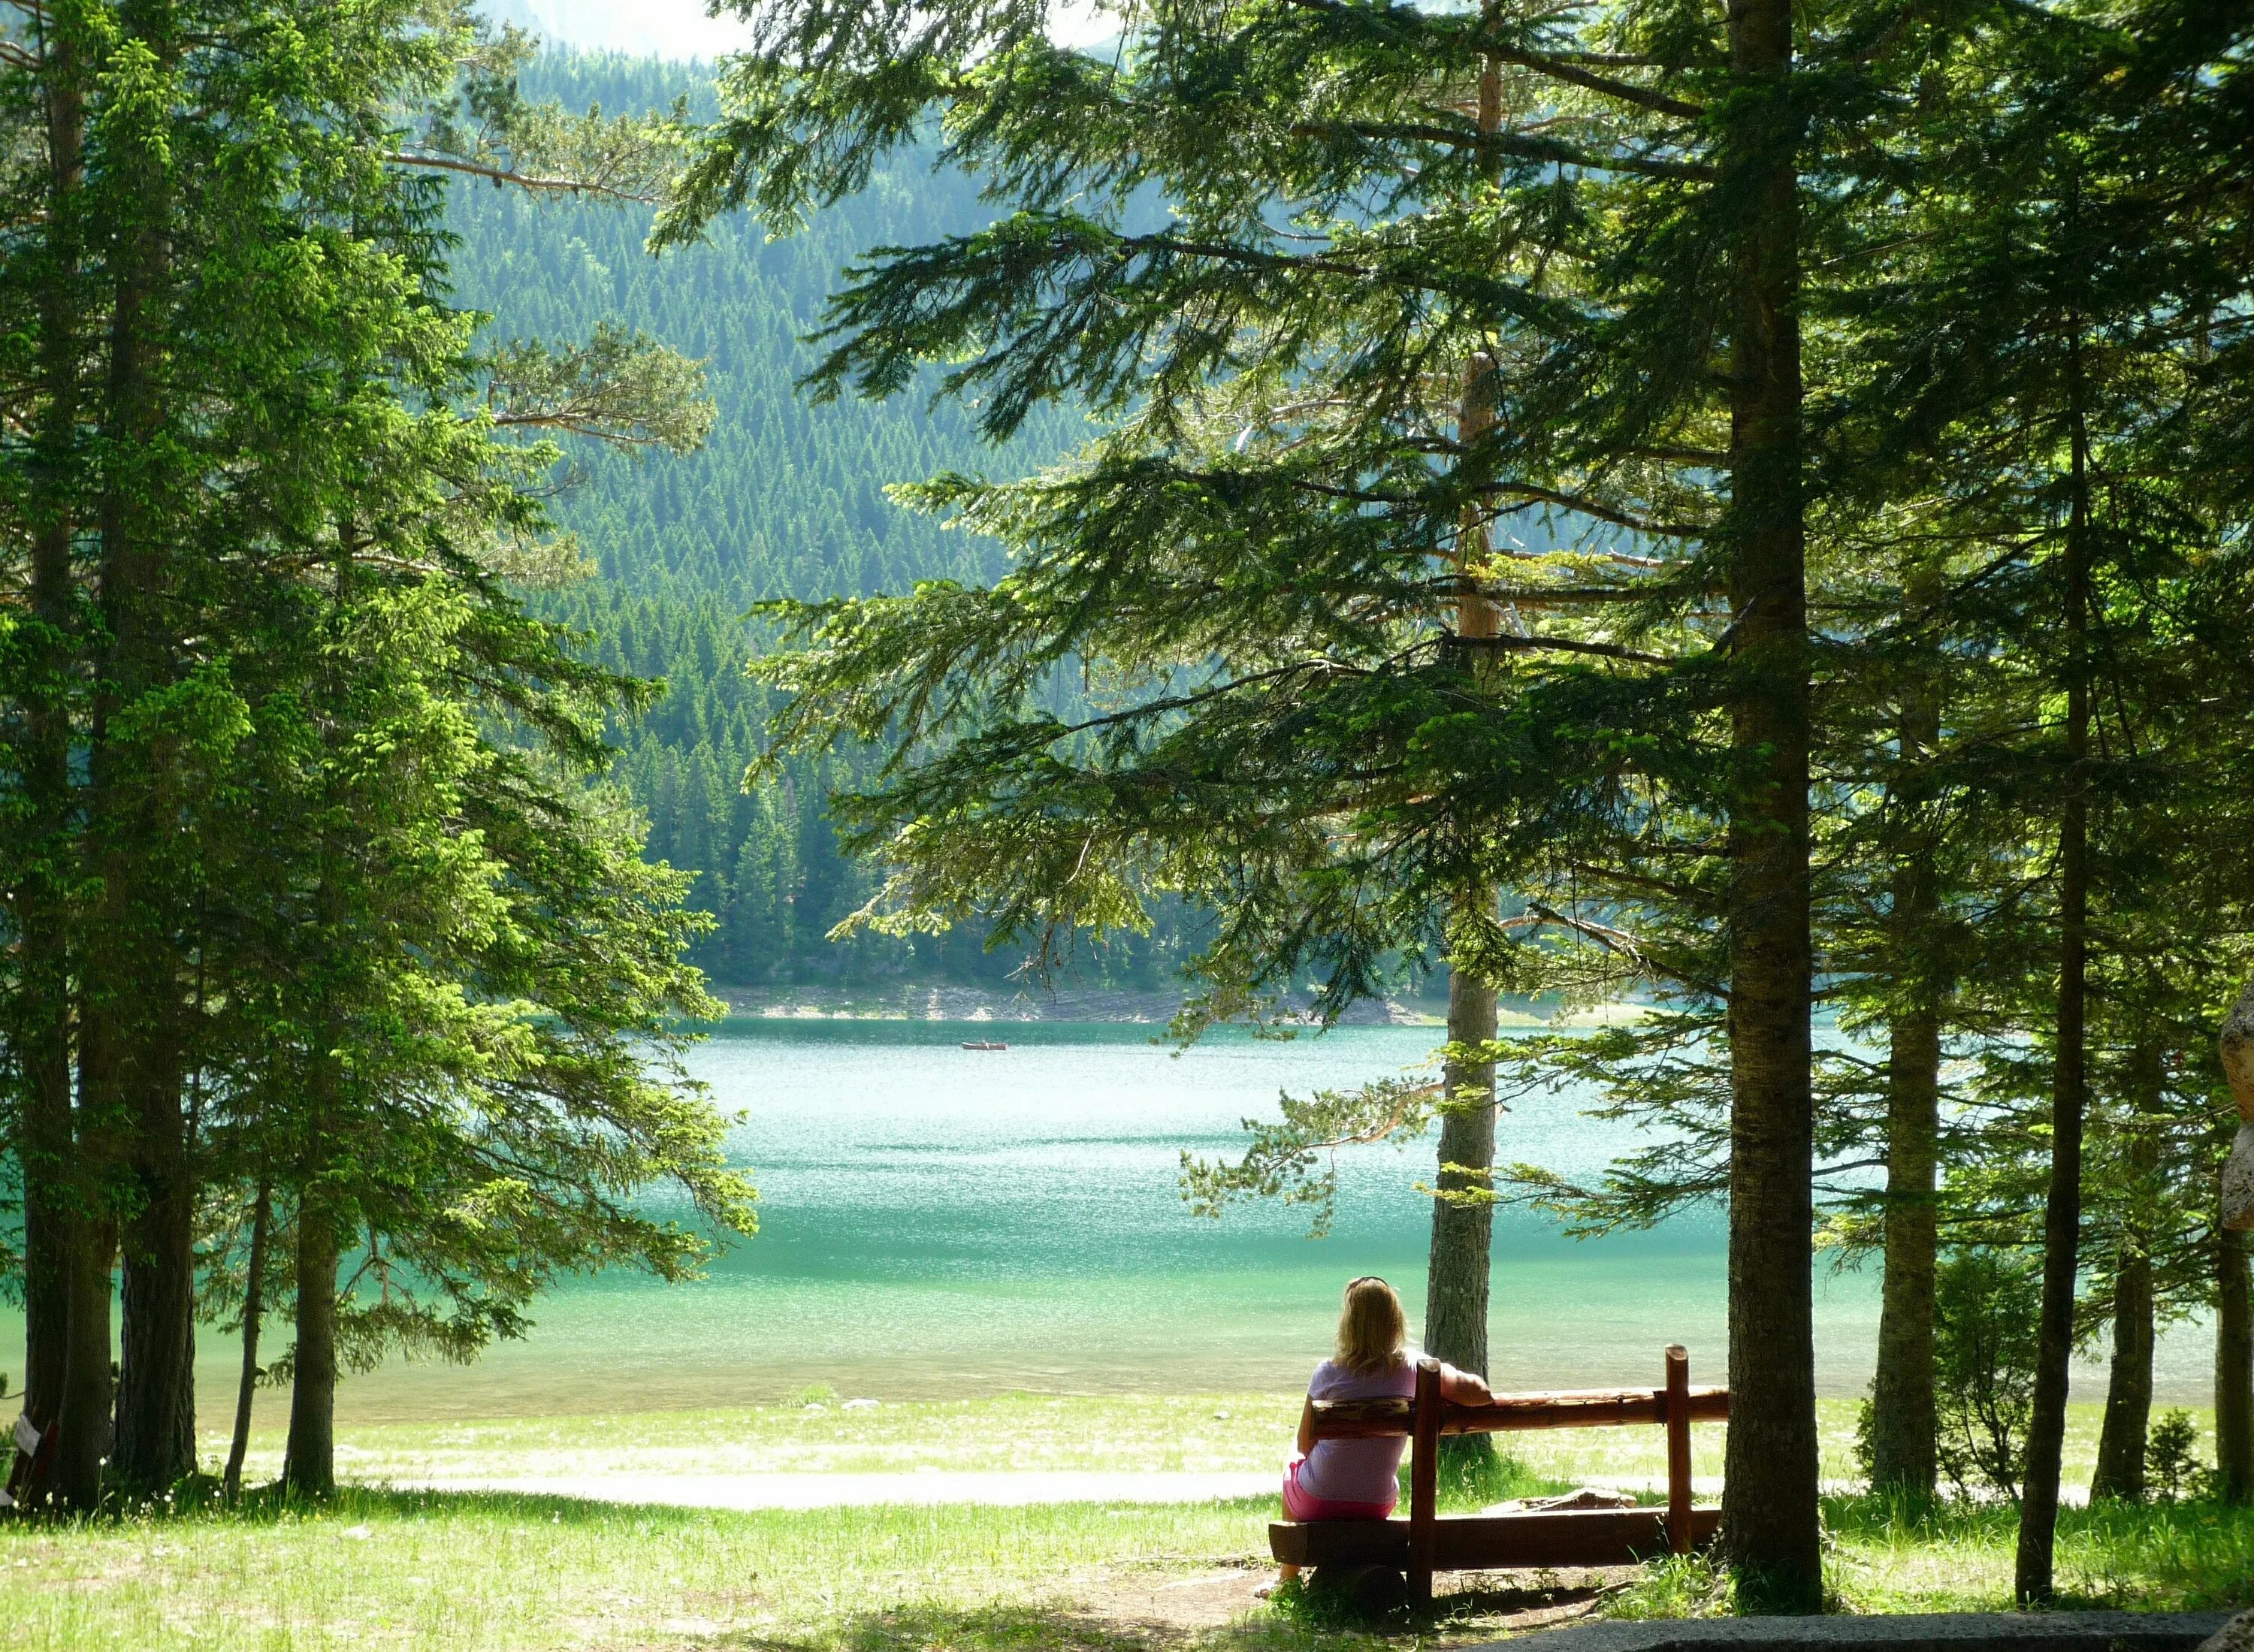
(1892, 1557)
(465, 1571)
(1000, 1433)
(472, 1570)
(2184, 1556)
(1203, 1433)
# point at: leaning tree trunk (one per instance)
(1771, 1529)
(2062, 1202)
(254, 1304)
(2121, 1440)
(309, 1463)
(2234, 1371)
(2120, 1471)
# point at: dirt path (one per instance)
(1161, 1607)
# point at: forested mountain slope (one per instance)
(786, 499)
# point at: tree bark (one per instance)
(309, 1459)
(1770, 1525)
(1902, 1413)
(254, 1302)
(2120, 1472)
(155, 1403)
(1456, 1281)
(131, 1061)
(1457, 1267)
(2063, 1204)
(2234, 1371)
(82, 1421)
(54, 1209)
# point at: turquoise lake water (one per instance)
(938, 1221)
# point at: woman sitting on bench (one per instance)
(1359, 1479)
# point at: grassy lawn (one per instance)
(480, 1571)
(465, 1570)
(1204, 1432)
(1020, 1432)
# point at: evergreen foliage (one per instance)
(1863, 369)
(313, 890)
(784, 498)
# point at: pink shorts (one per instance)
(1301, 1505)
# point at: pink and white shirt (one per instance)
(1357, 1471)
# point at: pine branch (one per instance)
(1572, 75)
(499, 175)
(1544, 151)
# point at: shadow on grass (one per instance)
(1045, 1628)
(201, 1502)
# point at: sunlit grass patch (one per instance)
(1225, 1432)
(1955, 1556)
(832, 1434)
(475, 1571)
(483, 1571)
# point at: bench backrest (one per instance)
(1673, 1406)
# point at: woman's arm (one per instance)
(1307, 1427)
(1463, 1387)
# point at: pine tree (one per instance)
(242, 313)
(1265, 554)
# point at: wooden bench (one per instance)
(1424, 1542)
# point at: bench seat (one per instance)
(1485, 1542)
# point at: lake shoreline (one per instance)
(926, 1001)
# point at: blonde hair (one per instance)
(1371, 1327)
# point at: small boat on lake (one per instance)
(982, 1044)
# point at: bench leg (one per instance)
(1424, 1482)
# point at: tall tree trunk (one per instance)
(1456, 1289)
(254, 1303)
(2120, 1472)
(132, 981)
(309, 1461)
(82, 1420)
(2062, 1205)
(1902, 1411)
(1770, 1523)
(155, 1405)
(2234, 1370)
(1457, 1265)
(54, 1208)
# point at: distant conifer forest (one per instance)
(786, 499)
